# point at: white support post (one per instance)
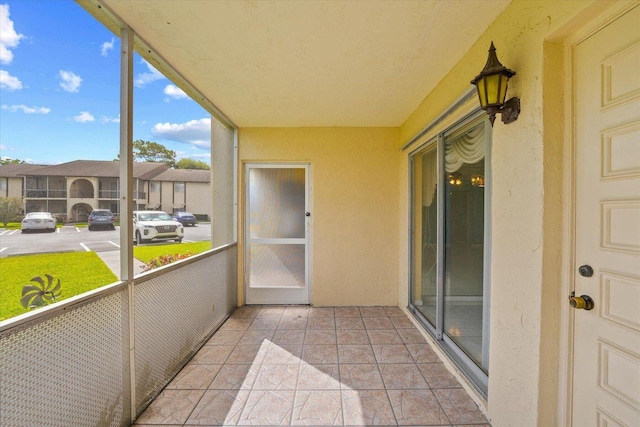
(126, 193)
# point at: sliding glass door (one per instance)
(450, 216)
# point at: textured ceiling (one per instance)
(311, 63)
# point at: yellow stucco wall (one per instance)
(167, 196)
(354, 207)
(526, 202)
(198, 198)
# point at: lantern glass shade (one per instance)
(492, 90)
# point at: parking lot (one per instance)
(77, 239)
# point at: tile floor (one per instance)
(297, 365)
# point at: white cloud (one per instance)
(106, 119)
(70, 81)
(193, 132)
(107, 46)
(8, 36)
(175, 92)
(144, 79)
(26, 110)
(9, 82)
(84, 117)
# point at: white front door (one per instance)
(277, 234)
(606, 350)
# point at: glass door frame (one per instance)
(475, 374)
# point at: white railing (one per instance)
(70, 363)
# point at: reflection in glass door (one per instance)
(450, 234)
(425, 236)
(277, 231)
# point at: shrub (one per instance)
(164, 260)
(10, 208)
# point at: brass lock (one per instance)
(583, 302)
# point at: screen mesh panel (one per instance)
(175, 313)
(69, 370)
(277, 203)
(277, 266)
(70, 367)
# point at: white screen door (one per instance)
(277, 234)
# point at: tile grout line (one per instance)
(386, 390)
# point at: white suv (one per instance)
(156, 225)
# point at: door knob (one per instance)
(583, 302)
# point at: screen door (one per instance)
(277, 234)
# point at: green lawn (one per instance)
(11, 226)
(78, 272)
(16, 225)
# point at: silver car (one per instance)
(38, 221)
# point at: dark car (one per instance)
(185, 218)
(101, 218)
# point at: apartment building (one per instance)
(72, 190)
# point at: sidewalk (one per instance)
(112, 259)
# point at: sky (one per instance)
(60, 87)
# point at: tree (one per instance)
(10, 208)
(150, 151)
(191, 164)
(8, 161)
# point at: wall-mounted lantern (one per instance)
(491, 84)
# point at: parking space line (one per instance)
(85, 247)
(114, 244)
(77, 229)
(4, 232)
(3, 249)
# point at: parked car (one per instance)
(156, 225)
(101, 218)
(38, 221)
(185, 218)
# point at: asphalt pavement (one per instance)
(105, 243)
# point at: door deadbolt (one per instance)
(585, 270)
(583, 302)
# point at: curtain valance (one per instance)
(466, 148)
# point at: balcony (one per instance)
(76, 352)
(298, 365)
(195, 359)
(85, 193)
(108, 194)
(44, 193)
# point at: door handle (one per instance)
(583, 302)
